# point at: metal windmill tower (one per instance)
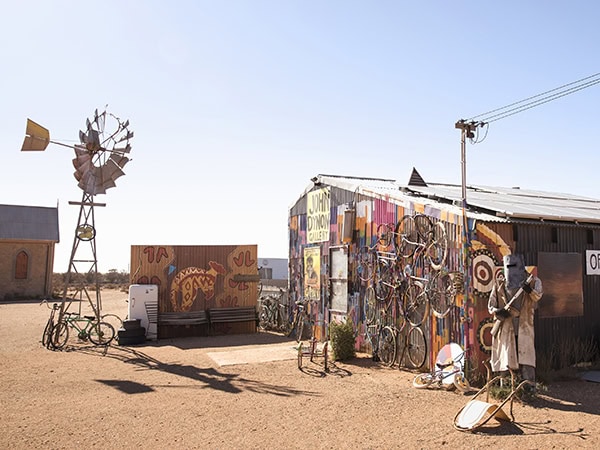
(99, 161)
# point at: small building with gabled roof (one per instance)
(337, 217)
(28, 236)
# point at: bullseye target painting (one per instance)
(485, 270)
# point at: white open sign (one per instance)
(592, 262)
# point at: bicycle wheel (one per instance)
(406, 238)
(292, 326)
(423, 380)
(285, 325)
(366, 264)
(384, 234)
(461, 383)
(264, 318)
(424, 228)
(416, 347)
(101, 333)
(47, 334)
(298, 328)
(415, 303)
(384, 286)
(113, 319)
(442, 294)
(386, 349)
(437, 249)
(60, 335)
(370, 305)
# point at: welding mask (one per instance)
(514, 272)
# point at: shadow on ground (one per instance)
(206, 377)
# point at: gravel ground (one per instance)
(172, 394)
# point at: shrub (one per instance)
(342, 340)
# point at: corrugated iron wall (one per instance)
(490, 241)
(532, 240)
(556, 238)
(369, 213)
(194, 278)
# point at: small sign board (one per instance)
(592, 262)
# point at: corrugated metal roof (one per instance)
(29, 223)
(484, 202)
(518, 203)
(394, 192)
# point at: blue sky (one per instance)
(235, 105)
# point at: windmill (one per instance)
(99, 160)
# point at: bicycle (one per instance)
(273, 314)
(367, 257)
(448, 372)
(437, 291)
(300, 318)
(418, 233)
(392, 289)
(97, 332)
(313, 350)
(414, 345)
(47, 334)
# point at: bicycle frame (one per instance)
(74, 320)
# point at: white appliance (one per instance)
(143, 305)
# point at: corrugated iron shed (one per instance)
(26, 223)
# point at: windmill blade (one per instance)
(91, 139)
(121, 150)
(91, 182)
(128, 136)
(100, 120)
(110, 173)
(82, 161)
(37, 137)
(119, 160)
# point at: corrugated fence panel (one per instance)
(533, 239)
(195, 278)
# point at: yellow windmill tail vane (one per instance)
(37, 137)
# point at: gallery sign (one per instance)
(317, 215)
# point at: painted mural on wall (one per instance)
(466, 327)
(186, 284)
(192, 278)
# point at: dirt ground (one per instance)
(172, 394)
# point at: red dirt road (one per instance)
(171, 394)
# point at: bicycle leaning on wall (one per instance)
(273, 313)
(301, 320)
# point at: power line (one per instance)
(596, 75)
(530, 105)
